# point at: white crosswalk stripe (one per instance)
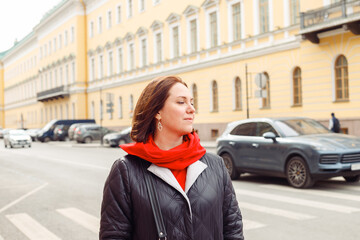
(82, 218)
(315, 192)
(249, 224)
(31, 228)
(275, 211)
(298, 201)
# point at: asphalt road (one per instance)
(54, 191)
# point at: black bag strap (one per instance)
(160, 226)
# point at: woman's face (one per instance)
(178, 113)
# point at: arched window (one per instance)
(131, 105)
(215, 97)
(101, 109)
(297, 90)
(341, 78)
(120, 111)
(195, 97)
(266, 88)
(92, 110)
(237, 93)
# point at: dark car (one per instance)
(61, 132)
(117, 138)
(47, 132)
(86, 133)
(299, 149)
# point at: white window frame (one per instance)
(91, 29)
(242, 20)
(66, 36)
(208, 26)
(67, 74)
(142, 62)
(144, 5)
(73, 110)
(120, 59)
(109, 19)
(72, 34)
(61, 75)
(118, 15)
(131, 62)
(129, 8)
(101, 66)
(55, 45)
(131, 105)
(155, 33)
(120, 107)
(234, 94)
(73, 71)
(189, 19)
(92, 68)
(156, 2)
(50, 50)
(172, 26)
(256, 14)
(99, 24)
(110, 63)
(60, 41)
(92, 110)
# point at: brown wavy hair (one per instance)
(151, 101)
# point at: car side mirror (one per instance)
(270, 135)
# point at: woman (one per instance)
(196, 196)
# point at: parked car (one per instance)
(61, 132)
(47, 132)
(299, 149)
(86, 133)
(117, 138)
(73, 128)
(16, 138)
(1, 133)
(33, 133)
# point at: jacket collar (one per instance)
(193, 172)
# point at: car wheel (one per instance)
(298, 174)
(47, 139)
(29, 145)
(87, 140)
(229, 164)
(352, 179)
(5, 145)
(11, 146)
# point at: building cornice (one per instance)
(206, 64)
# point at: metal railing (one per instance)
(53, 92)
(329, 13)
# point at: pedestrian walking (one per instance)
(334, 124)
(168, 177)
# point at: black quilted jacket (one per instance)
(126, 211)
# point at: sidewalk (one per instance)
(205, 144)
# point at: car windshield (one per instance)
(49, 125)
(17, 132)
(126, 130)
(298, 127)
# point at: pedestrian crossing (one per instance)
(267, 200)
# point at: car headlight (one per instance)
(320, 147)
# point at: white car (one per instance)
(17, 138)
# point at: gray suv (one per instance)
(86, 133)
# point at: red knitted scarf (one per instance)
(176, 159)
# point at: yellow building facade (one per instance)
(240, 58)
